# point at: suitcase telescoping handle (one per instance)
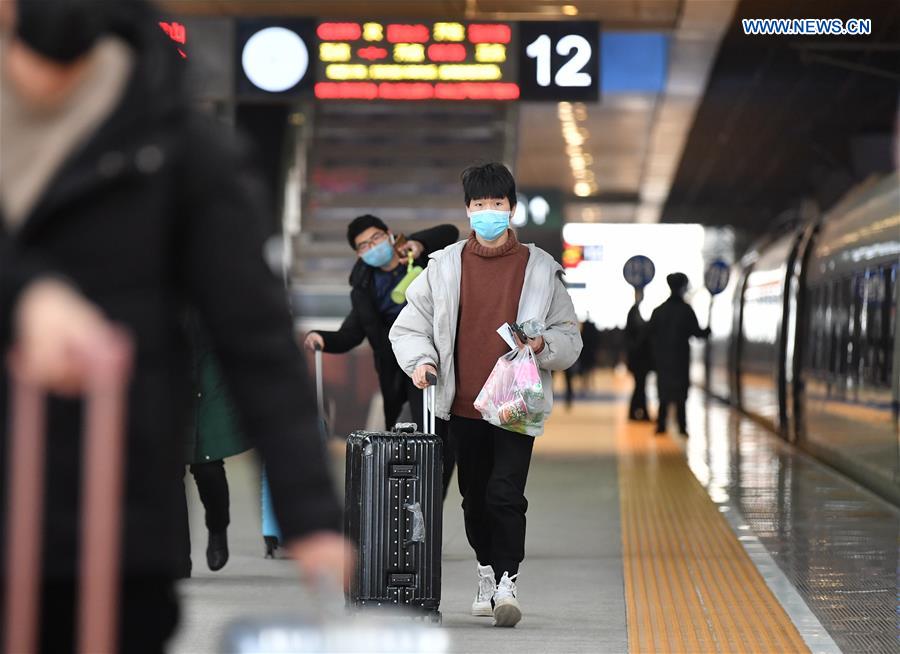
(428, 404)
(320, 392)
(101, 505)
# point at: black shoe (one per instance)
(271, 546)
(660, 432)
(217, 550)
(684, 434)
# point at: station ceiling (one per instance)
(785, 118)
(744, 128)
(656, 14)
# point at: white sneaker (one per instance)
(507, 611)
(487, 584)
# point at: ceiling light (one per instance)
(570, 10)
(577, 163)
(582, 189)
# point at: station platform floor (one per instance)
(730, 541)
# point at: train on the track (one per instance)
(805, 336)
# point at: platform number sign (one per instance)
(639, 271)
(717, 275)
(559, 61)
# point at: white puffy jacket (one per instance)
(425, 331)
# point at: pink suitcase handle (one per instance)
(104, 426)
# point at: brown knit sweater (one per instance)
(492, 280)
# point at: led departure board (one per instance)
(430, 60)
(417, 60)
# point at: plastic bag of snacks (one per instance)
(513, 397)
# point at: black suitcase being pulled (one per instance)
(394, 514)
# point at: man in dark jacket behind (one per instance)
(672, 325)
(639, 357)
(379, 269)
(119, 204)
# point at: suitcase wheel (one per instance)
(434, 617)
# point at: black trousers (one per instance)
(440, 426)
(680, 401)
(570, 390)
(493, 469)
(212, 484)
(638, 407)
(148, 615)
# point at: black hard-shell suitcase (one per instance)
(394, 514)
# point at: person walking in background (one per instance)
(121, 205)
(380, 267)
(449, 329)
(213, 436)
(268, 522)
(638, 357)
(672, 325)
(587, 360)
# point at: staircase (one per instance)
(398, 161)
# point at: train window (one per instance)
(856, 332)
(841, 316)
(851, 328)
(831, 328)
(877, 343)
(816, 352)
(889, 322)
(869, 329)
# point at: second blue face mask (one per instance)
(380, 255)
(490, 223)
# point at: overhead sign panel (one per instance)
(559, 61)
(425, 60)
(419, 60)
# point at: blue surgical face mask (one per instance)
(380, 255)
(490, 223)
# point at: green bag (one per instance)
(398, 295)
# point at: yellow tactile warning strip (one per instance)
(689, 585)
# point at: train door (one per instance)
(790, 386)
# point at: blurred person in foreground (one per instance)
(381, 265)
(121, 206)
(672, 325)
(638, 357)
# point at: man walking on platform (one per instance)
(380, 268)
(449, 328)
(672, 325)
(639, 357)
